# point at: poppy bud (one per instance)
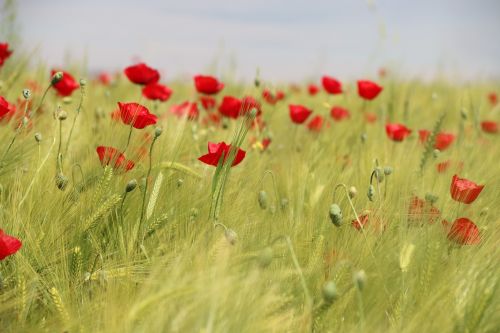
(387, 170)
(158, 131)
(180, 181)
(253, 113)
(284, 203)
(484, 211)
(231, 236)
(38, 137)
(257, 82)
(131, 185)
(67, 100)
(360, 279)
(263, 199)
(364, 136)
(379, 174)
(26, 93)
(265, 257)
(371, 193)
(352, 192)
(431, 198)
(56, 78)
(336, 215)
(83, 83)
(330, 293)
(25, 121)
(61, 181)
(435, 153)
(463, 114)
(62, 115)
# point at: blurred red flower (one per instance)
(111, 156)
(493, 98)
(186, 108)
(363, 219)
(368, 90)
(419, 209)
(443, 139)
(230, 107)
(208, 102)
(216, 151)
(312, 89)
(397, 132)
(339, 113)
(105, 78)
(5, 107)
(370, 117)
(156, 92)
(142, 74)
(206, 84)
(464, 232)
(137, 115)
(299, 113)
(8, 245)
(464, 190)
(316, 123)
(489, 126)
(67, 85)
(4, 53)
(331, 85)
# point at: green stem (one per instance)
(146, 184)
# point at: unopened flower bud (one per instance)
(83, 82)
(336, 215)
(158, 131)
(436, 153)
(38, 137)
(194, 213)
(329, 291)
(62, 115)
(262, 199)
(131, 185)
(360, 279)
(231, 236)
(61, 181)
(379, 174)
(463, 114)
(371, 193)
(26, 93)
(364, 137)
(352, 192)
(387, 170)
(56, 78)
(25, 121)
(484, 211)
(266, 257)
(180, 181)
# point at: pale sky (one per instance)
(286, 39)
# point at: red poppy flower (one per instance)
(397, 132)
(331, 85)
(66, 86)
(363, 219)
(207, 102)
(464, 190)
(4, 52)
(207, 84)
(142, 74)
(211, 118)
(443, 166)
(266, 142)
(338, 113)
(299, 113)
(8, 245)
(316, 123)
(493, 98)
(312, 89)
(464, 232)
(111, 156)
(419, 209)
(368, 90)
(216, 151)
(248, 103)
(137, 115)
(186, 108)
(489, 126)
(156, 92)
(5, 107)
(105, 78)
(370, 117)
(382, 72)
(230, 107)
(443, 139)
(271, 98)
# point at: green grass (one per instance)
(87, 266)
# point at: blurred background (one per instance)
(286, 39)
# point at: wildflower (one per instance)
(5, 53)
(339, 113)
(8, 245)
(299, 113)
(105, 78)
(157, 92)
(186, 109)
(368, 90)
(464, 232)
(492, 97)
(216, 151)
(207, 102)
(230, 107)
(66, 85)
(208, 85)
(316, 124)
(361, 224)
(137, 115)
(5, 107)
(331, 85)
(312, 89)
(442, 141)
(464, 190)
(142, 74)
(111, 156)
(489, 126)
(397, 132)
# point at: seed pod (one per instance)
(352, 192)
(360, 279)
(56, 78)
(387, 170)
(131, 185)
(371, 193)
(330, 293)
(266, 257)
(231, 236)
(336, 215)
(263, 199)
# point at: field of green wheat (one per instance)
(384, 219)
